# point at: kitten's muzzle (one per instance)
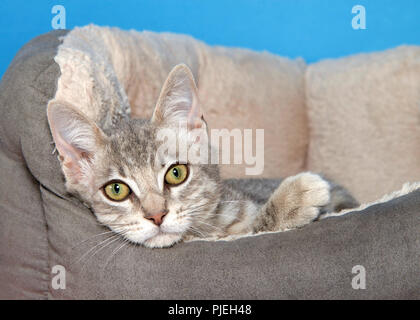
(157, 218)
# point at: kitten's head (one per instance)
(133, 185)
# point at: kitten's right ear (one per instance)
(76, 138)
(178, 100)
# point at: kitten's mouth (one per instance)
(163, 239)
(157, 236)
(162, 233)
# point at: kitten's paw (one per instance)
(300, 199)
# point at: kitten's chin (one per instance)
(163, 240)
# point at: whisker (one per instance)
(100, 249)
(100, 243)
(113, 253)
(95, 236)
(208, 224)
(195, 230)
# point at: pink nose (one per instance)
(157, 218)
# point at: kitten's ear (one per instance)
(178, 101)
(76, 138)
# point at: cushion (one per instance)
(364, 122)
(25, 89)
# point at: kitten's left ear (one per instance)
(76, 138)
(178, 100)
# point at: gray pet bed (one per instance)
(41, 226)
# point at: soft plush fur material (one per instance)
(110, 68)
(364, 120)
(338, 108)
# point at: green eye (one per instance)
(117, 191)
(176, 174)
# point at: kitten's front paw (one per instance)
(301, 197)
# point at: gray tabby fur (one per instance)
(203, 206)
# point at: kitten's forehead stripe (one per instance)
(133, 144)
(121, 171)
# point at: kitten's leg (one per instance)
(296, 202)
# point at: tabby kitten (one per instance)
(150, 197)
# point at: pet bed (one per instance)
(355, 119)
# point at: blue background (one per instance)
(312, 29)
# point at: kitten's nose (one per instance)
(157, 218)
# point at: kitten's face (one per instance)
(136, 188)
(129, 156)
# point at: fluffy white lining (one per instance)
(88, 80)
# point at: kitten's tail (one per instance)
(340, 199)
